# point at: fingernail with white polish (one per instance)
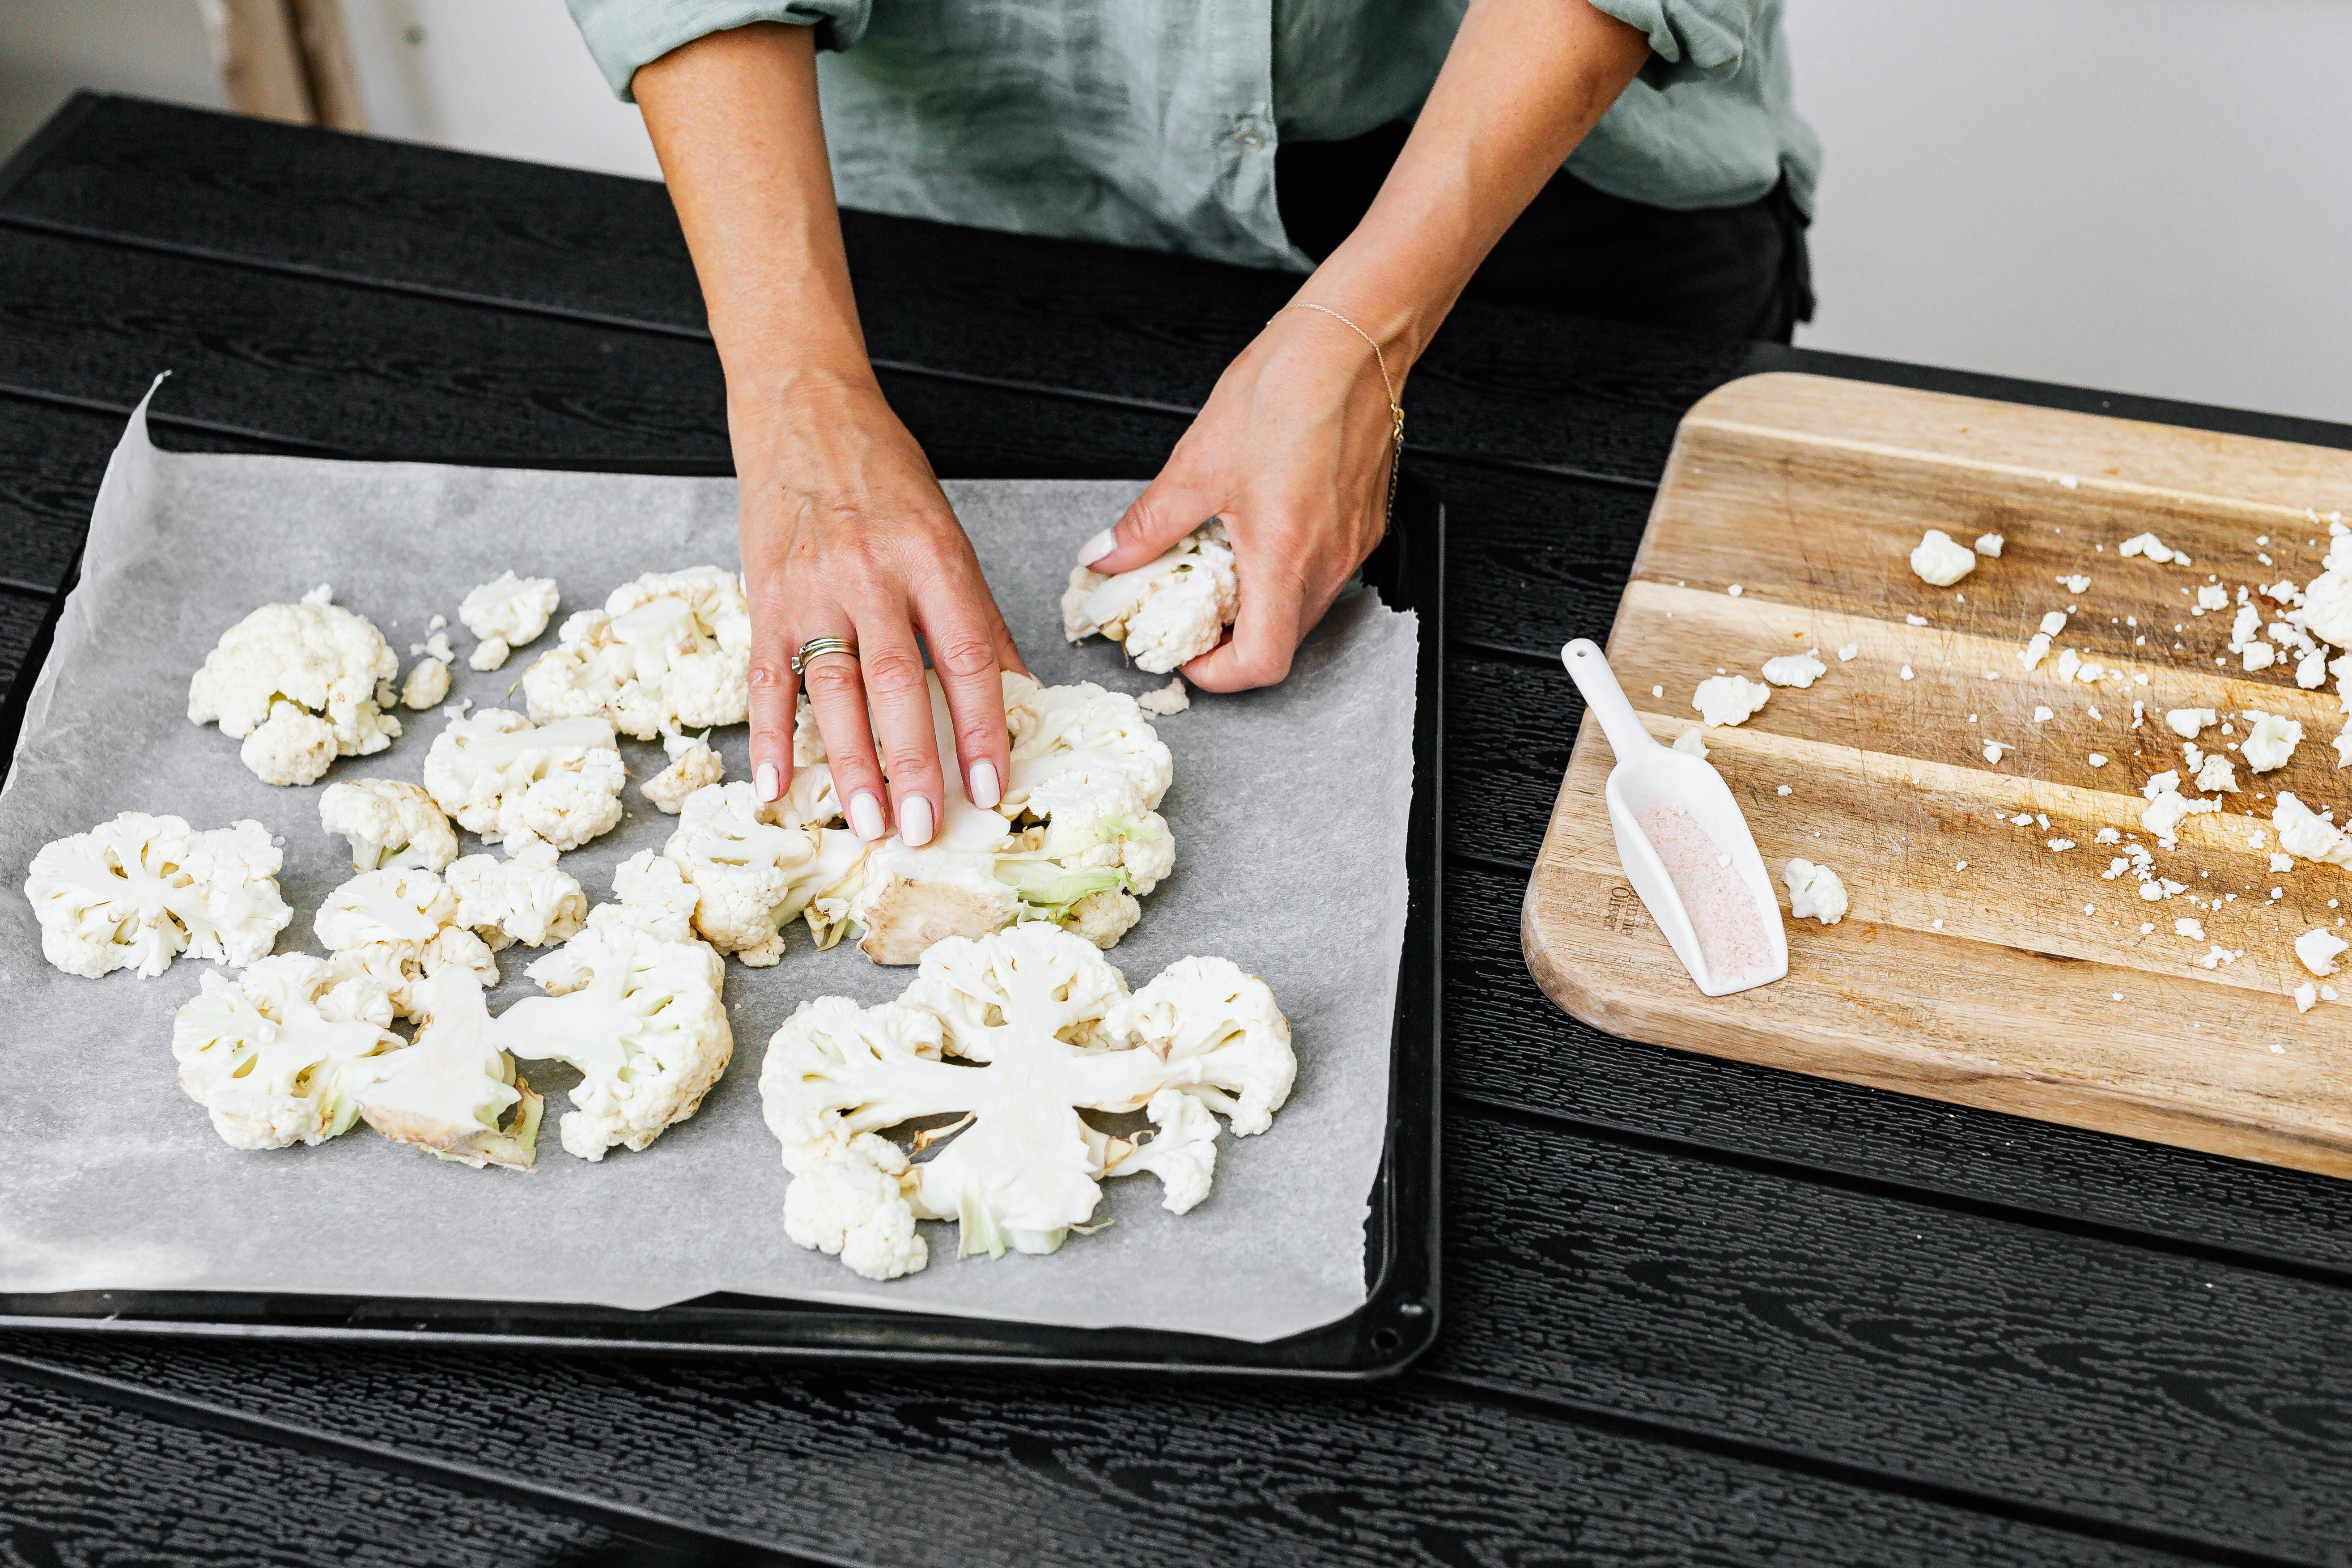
(865, 815)
(766, 776)
(915, 821)
(985, 789)
(1095, 549)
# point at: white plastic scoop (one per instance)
(1684, 844)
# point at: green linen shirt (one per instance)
(1154, 123)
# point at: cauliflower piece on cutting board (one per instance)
(505, 612)
(1814, 891)
(1166, 611)
(1940, 559)
(389, 822)
(138, 892)
(1052, 1029)
(504, 777)
(297, 684)
(280, 1054)
(669, 652)
(1728, 698)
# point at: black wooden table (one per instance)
(1694, 1311)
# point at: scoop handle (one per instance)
(1588, 667)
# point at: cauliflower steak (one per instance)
(503, 778)
(139, 891)
(1051, 1030)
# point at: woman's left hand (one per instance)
(1292, 451)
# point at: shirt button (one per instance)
(1247, 135)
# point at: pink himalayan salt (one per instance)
(1721, 908)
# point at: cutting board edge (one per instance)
(1855, 1060)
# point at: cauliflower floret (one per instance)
(1939, 560)
(1051, 1029)
(692, 766)
(454, 1093)
(640, 1016)
(396, 927)
(2306, 835)
(750, 875)
(390, 823)
(2270, 742)
(1814, 891)
(1168, 611)
(650, 895)
(851, 1204)
(1182, 1153)
(523, 898)
(428, 683)
(284, 671)
(669, 652)
(505, 778)
(505, 612)
(139, 891)
(1220, 1036)
(1169, 698)
(280, 1054)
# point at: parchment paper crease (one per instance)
(1288, 809)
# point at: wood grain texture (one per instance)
(954, 1469)
(2022, 980)
(84, 1482)
(1947, 1349)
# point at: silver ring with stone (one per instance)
(818, 647)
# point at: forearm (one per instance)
(733, 118)
(1523, 83)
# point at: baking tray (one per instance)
(1397, 1321)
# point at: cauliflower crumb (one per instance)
(1940, 562)
(1728, 698)
(2098, 759)
(1173, 699)
(1692, 742)
(1814, 891)
(2075, 583)
(2186, 722)
(2145, 544)
(2270, 742)
(2191, 928)
(2316, 949)
(1906, 672)
(427, 684)
(1988, 544)
(1849, 652)
(2306, 996)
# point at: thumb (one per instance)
(1173, 507)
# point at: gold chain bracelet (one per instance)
(1396, 409)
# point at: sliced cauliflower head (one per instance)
(138, 892)
(280, 675)
(1167, 612)
(505, 612)
(389, 822)
(693, 765)
(503, 778)
(669, 652)
(524, 898)
(1049, 1029)
(455, 1092)
(751, 876)
(280, 1054)
(395, 928)
(640, 1016)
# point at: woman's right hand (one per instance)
(845, 532)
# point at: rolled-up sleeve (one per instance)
(626, 34)
(1688, 38)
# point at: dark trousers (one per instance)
(1722, 273)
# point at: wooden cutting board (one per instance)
(2025, 980)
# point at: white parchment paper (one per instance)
(1288, 809)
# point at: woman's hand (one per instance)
(845, 532)
(1292, 451)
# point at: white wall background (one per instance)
(2153, 195)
